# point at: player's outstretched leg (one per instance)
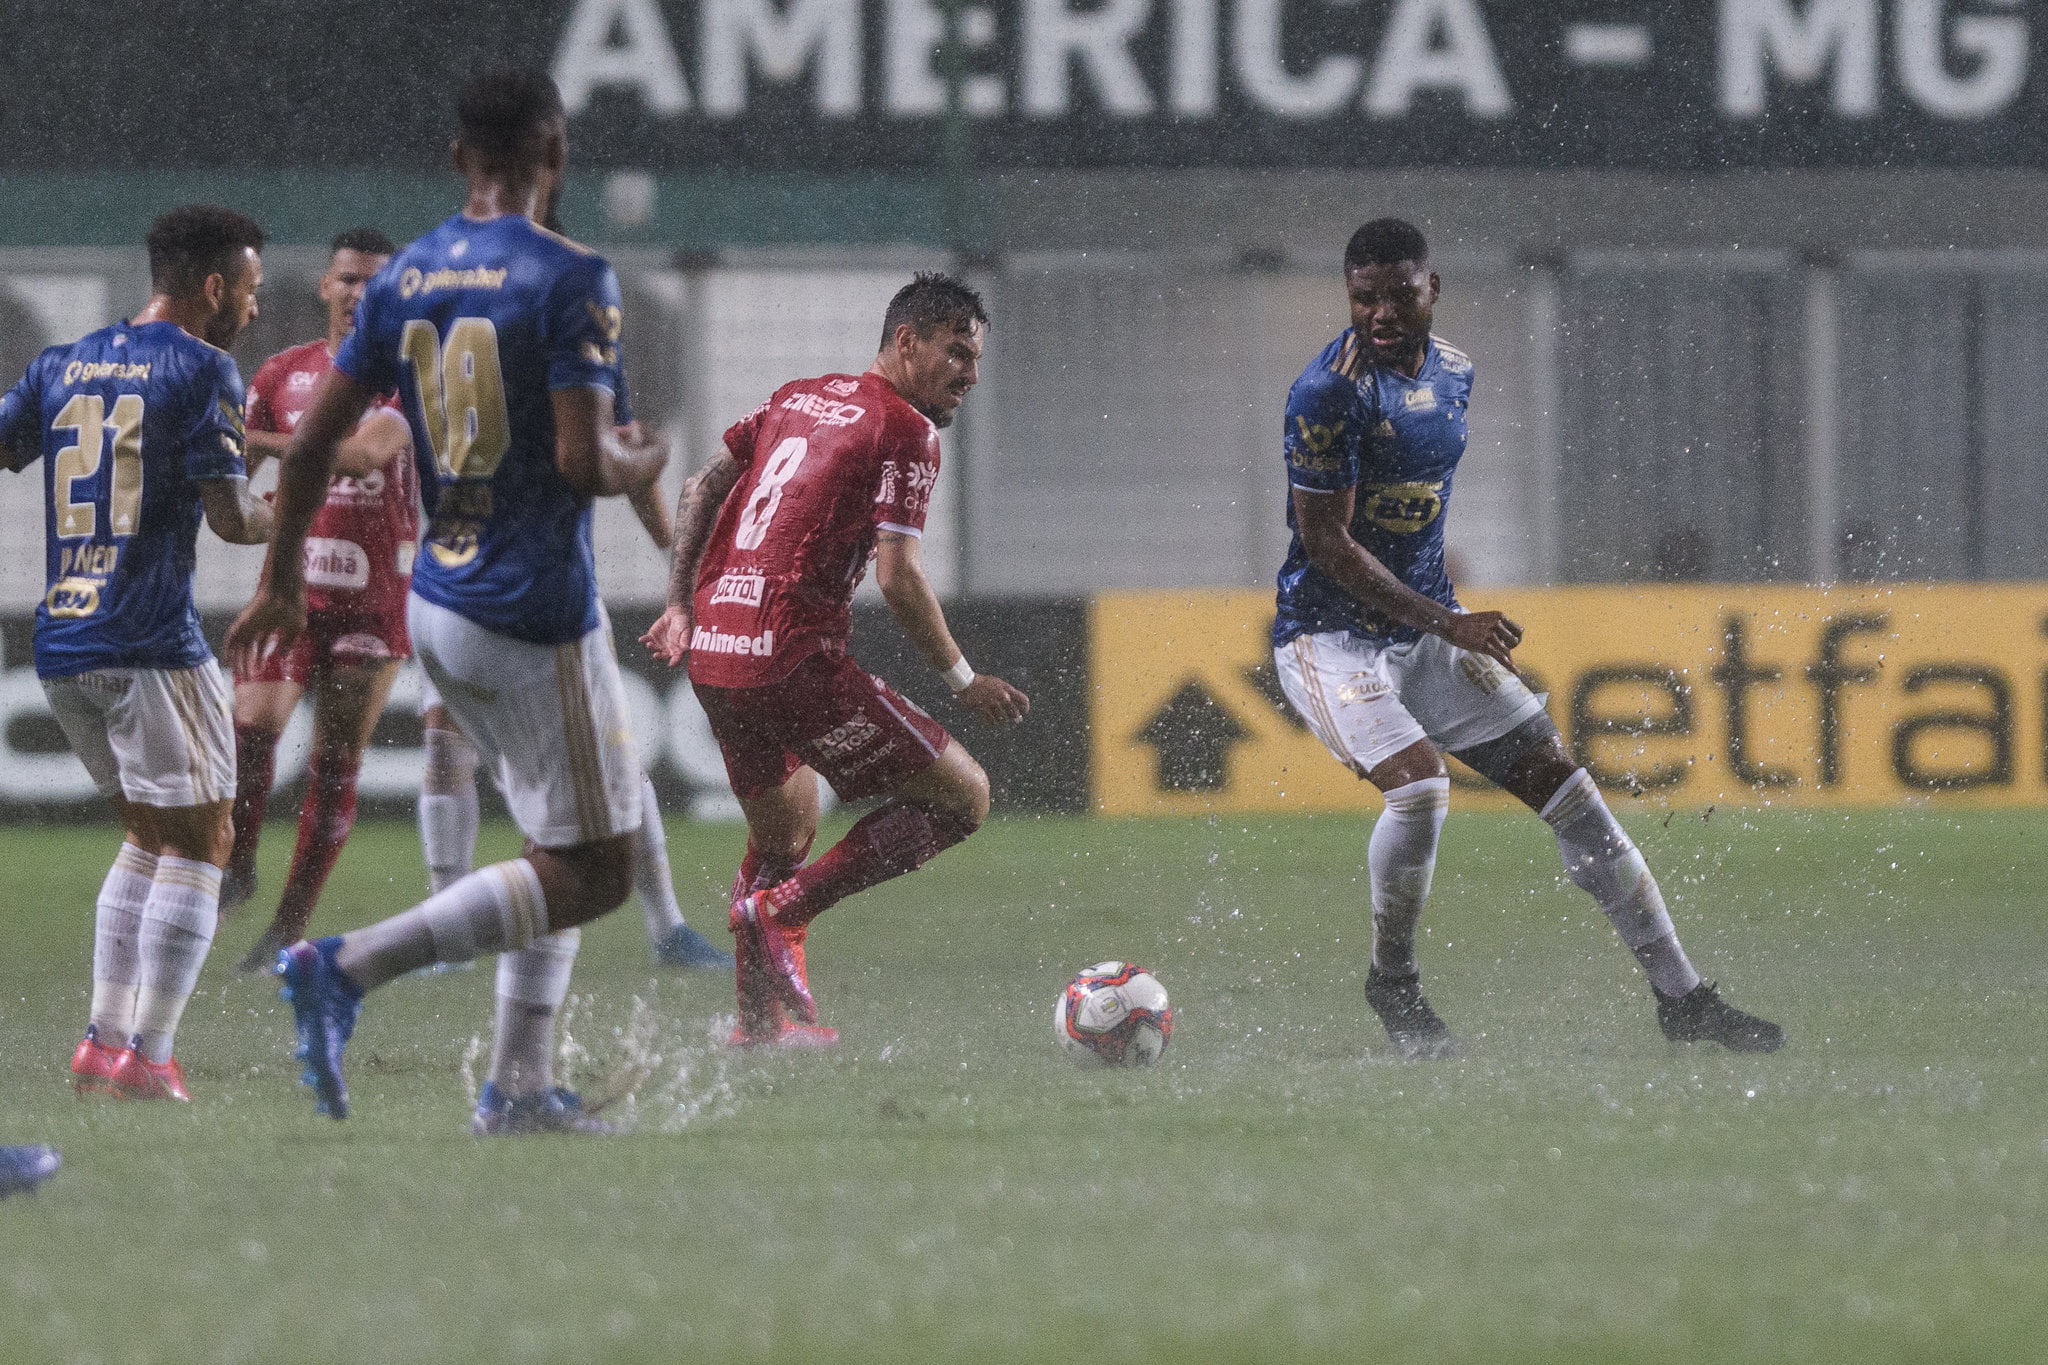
(497, 909)
(1401, 857)
(676, 944)
(925, 816)
(116, 971)
(1602, 861)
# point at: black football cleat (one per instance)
(1417, 1033)
(1702, 1016)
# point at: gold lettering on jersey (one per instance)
(85, 371)
(1402, 508)
(828, 412)
(91, 561)
(413, 281)
(73, 597)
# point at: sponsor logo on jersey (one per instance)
(73, 597)
(1364, 687)
(413, 281)
(849, 736)
(718, 642)
(1420, 400)
(842, 388)
(1402, 508)
(336, 563)
(743, 588)
(301, 379)
(828, 412)
(85, 371)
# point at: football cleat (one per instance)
(778, 953)
(24, 1168)
(138, 1078)
(262, 955)
(687, 950)
(324, 1004)
(93, 1065)
(554, 1110)
(1417, 1033)
(1702, 1016)
(784, 1033)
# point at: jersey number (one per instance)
(86, 414)
(462, 395)
(760, 508)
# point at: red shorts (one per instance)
(830, 714)
(334, 639)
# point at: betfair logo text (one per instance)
(413, 281)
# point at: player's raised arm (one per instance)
(703, 494)
(1325, 522)
(278, 611)
(899, 572)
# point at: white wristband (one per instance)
(959, 675)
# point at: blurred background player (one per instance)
(358, 564)
(141, 424)
(449, 814)
(502, 338)
(772, 538)
(1388, 671)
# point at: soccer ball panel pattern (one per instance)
(1113, 1014)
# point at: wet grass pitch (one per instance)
(948, 1186)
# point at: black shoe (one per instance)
(1417, 1033)
(1702, 1016)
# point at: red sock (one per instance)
(324, 822)
(758, 874)
(887, 842)
(255, 768)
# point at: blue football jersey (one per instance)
(476, 324)
(128, 420)
(1397, 441)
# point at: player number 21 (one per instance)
(760, 508)
(462, 395)
(86, 414)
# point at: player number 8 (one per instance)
(760, 508)
(462, 395)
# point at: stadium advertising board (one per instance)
(839, 85)
(1689, 696)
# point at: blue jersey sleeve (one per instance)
(583, 323)
(21, 424)
(214, 441)
(1324, 432)
(368, 355)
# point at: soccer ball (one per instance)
(1113, 1014)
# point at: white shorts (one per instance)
(550, 718)
(156, 736)
(1367, 702)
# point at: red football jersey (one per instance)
(824, 465)
(359, 551)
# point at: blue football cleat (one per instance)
(324, 1004)
(555, 1110)
(686, 949)
(24, 1168)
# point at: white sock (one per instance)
(1604, 863)
(177, 928)
(652, 881)
(117, 943)
(532, 984)
(448, 808)
(1401, 855)
(492, 910)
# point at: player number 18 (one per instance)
(462, 395)
(767, 495)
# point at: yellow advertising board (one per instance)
(1724, 693)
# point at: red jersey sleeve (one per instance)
(739, 437)
(909, 455)
(262, 414)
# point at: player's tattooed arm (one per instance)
(1325, 522)
(276, 615)
(704, 492)
(596, 458)
(899, 572)
(234, 513)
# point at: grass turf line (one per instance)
(947, 1186)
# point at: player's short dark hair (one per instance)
(933, 299)
(367, 240)
(1385, 241)
(188, 244)
(504, 114)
